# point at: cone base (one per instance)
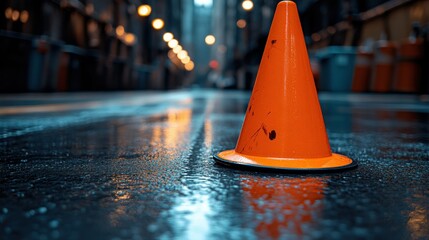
(335, 162)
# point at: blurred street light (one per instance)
(247, 5)
(8, 13)
(120, 31)
(210, 39)
(177, 49)
(203, 3)
(130, 39)
(189, 66)
(144, 10)
(171, 54)
(186, 60)
(15, 15)
(241, 23)
(182, 54)
(214, 64)
(24, 16)
(167, 36)
(157, 23)
(173, 43)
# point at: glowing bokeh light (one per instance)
(177, 49)
(173, 43)
(8, 13)
(167, 36)
(189, 66)
(186, 60)
(157, 23)
(24, 16)
(182, 54)
(241, 23)
(130, 39)
(171, 54)
(247, 5)
(120, 31)
(144, 10)
(203, 3)
(15, 15)
(213, 64)
(210, 39)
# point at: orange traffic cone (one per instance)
(283, 128)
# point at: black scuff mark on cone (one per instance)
(254, 136)
(272, 135)
(273, 42)
(264, 129)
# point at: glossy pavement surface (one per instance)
(138, 166)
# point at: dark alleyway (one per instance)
(139, 166)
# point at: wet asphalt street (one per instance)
(139, 165)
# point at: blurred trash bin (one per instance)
(36, 64)
(69, 76)
(43, 66)
(336, 68)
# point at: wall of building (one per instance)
(75, 45)
(405, 17)
(354, 22)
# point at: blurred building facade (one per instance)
(385, 42)
(351, 22)
(75, 45)
(340, 28)
(70, 45)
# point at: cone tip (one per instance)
(287, 2)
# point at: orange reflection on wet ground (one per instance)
(283, 205)
(418, 220)
(179, 122)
